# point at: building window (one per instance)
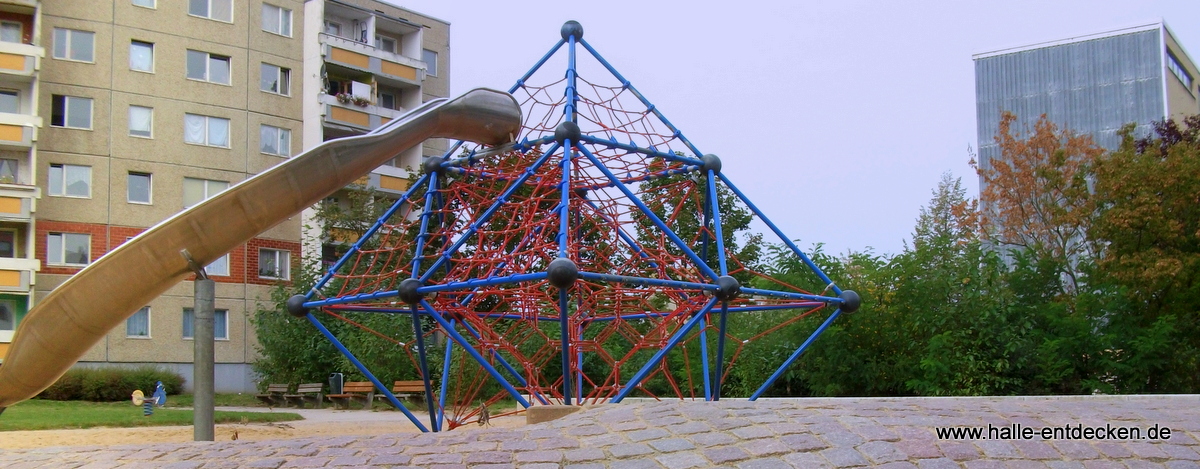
(141, 121)
(333, 28)
(68, 248)
(71, 44)
(72, 112)
(138, 325)
(275, 141)
(1180, 72)
(197, 190)
(385, 43)
(139, 188)
(275, 79)
(11, 31)
(10, 101)
(206, 130)
(220, 10)
(8, 315)
(145, 3)
(9, 171)
(68, 180)
(220, 324)
(430, 59)
(208, 67)
(273, 264)
(219, 267)
(8, 243)
(141, 56)
(277, 20)
(388, 100)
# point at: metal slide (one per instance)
(77, 314)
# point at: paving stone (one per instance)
(938, 463)
(1114, 450)
(725, 454)
(583, 454)
(984, 464)
(629, 449)
(437, 459)
(1036, 450)
(682, 460)
(305, 462)
(881, 452)
(647, 434)
(897, 465)
(671, 444)
(1076, 449)
(842, 438)
(959, 451)
(489, 457)
(1182, 465)
(844, 457)
(918, 449)
(764, 463)
(584, 466)
(711, 439)
(1024, 464)
(803, 442)
(690, 428)
(1142, 464)
(539, 456)
(807, 460)
(1102, 464)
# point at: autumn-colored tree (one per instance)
(1035, 194)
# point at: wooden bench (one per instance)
(307, 392)
(274, 395)
(406, 389)
(354, 391)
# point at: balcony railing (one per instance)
(366, 117)
(364, 57)
(16, 274)
(21, 60)
(17, 201)
(18, 130)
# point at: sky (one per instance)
(837, 118)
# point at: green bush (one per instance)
(111, 384)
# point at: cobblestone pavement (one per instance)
(768, 434)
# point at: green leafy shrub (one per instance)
(111, 384)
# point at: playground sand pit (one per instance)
(225, 432)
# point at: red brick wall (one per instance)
(243, 260)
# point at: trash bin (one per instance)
(335, 383)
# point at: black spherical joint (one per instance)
(562, 273)
(407, 292)
(728, 288)
(567, 130)
(581, 192)
(572, 28)
(711, 162)
(850, 301)
(433, 165)
(295, 306)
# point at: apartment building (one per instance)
(1093, 84)
(116, 114)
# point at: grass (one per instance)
(37, 414)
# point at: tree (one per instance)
(1035, 194)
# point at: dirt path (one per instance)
(316, 423)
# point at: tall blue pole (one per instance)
(800, 350)
(637, 378)
(715, 209)
(719, 378)
(445, 380)
(564, 329)
(362, 368)
(419, 331)
(462, 342)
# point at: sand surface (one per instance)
(316, 423)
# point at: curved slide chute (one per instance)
(77, 314)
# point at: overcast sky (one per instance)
(837, 118)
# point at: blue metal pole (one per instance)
(579, 376)
(643, 99)
(645, 151)
(503, 199)
(571, 95)
(370, 232)
(483, 282)
(640, 281)
(566, 343)
(720, 376)
(704, 359)
(792, 295)
(774, 376)
(645, 177)
(536, 66)
(424, 362)
(658, 356)
(362, 368)
(474, 353)
(445, 380)
(650, 214)
(779, 233)
(716, 218)
(424, 234)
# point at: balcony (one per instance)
(17, 202)
(20, 60)
(16, 274)
(364, 118)
(18, 131)
(363, 57)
